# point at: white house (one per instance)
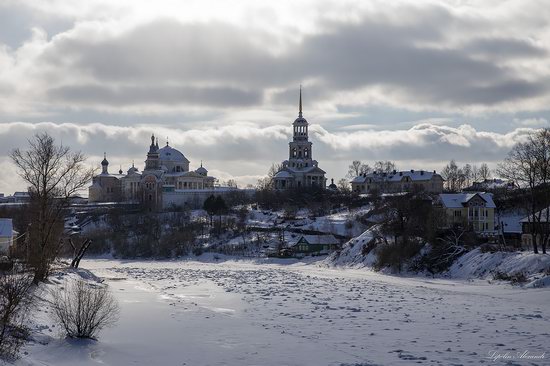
(402, 181)
(6, 235)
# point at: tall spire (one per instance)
(300, 111)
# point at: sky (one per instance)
(415, 82)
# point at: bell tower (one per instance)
(300, 146)
(153, 156)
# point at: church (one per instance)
(165, 181)
(300, 170)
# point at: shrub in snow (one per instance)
(83, 309)
(396, 255)
(514, 278)
(15, 301)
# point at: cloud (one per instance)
(432, 57)
(532, 122)
(167, 95)
(245, 151)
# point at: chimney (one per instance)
(434, 171)
(421, 172)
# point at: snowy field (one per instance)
(241, 313)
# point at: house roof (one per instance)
(283, 174)
(511, 223)
(414, 175)
(318, 239)
(6, 227)
(543, 216)
(168, 153)
(459, 200)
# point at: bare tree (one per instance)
(484, 171)
(268, 181)
(528, 165)
(15, 301)
(343, 185)
(384, 166)
(83, 309)
(451, 175)
(475, 173)
(54, 174)
(467, 174)
(231, 183)
(357, 168)
(78, 253)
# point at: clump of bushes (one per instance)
(83, 309)
(396, 255)
(16, 299)
(514, 278)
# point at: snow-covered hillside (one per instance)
(354, 252)
(358, 253)
(476, 264)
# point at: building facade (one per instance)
(165, 181)
(474, 210)
(402, 181)
(300, 170)
(539, 223)
(6, 235)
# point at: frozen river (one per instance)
(236, 313)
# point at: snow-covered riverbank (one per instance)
(239, 313)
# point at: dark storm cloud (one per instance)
(410, 60)
(166, 50)
(167, 95)
(502, 47)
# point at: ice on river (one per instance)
(238, 313)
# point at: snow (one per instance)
(352, 254)
(458, 200)
(476, 264)
(511, 223)
(243, 313)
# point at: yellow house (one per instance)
(475, 209)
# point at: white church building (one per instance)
(166, 181)
(300, 170)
